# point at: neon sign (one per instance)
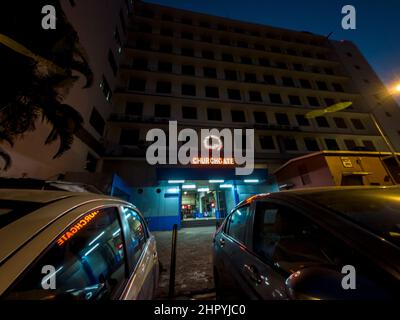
(76, 228)
(212, 161)
(213, 142)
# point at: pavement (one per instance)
(194, 272)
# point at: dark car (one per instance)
(326, 243)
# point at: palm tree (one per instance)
(34, 86)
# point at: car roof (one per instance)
(52, 206)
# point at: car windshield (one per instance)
(377, 210)
(11, 211)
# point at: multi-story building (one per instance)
(211, 72)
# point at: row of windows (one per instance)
(131, 137)
(208, 38)
(145, 44)
(260, 117)
(145, 12)
(234, 75)
(187, 89)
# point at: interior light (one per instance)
(176, 181)
(216, 181)
(203, 189)
(226, 186)
(251, 181)
(189, 186)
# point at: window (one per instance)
(122, 18)
(212, 92)
(242, 44)
(204, 24)
(144, 28)
(357, 123)
(306, 84)
(164, 66)
(165, 48)
(105, 87)
(291, 52)
(112, 62)
(264, 62)
(321, 56)
(90, 265)
(162, 110)
(97, 121)
(225, 41)
(275, 98)
(313, 101)
(166, 17)
(140, 64)
(298, 67)
(267, 142)
(238, 116)
(230, 75)
(234, 94)
(255, 96)
(187, 35)
(189, 52)
(281, 65)
(210, 72)
(137, 84)
(329, 102)
(269, 79)
(311, 144)
(302, 120)
(276, 49)
(189, 112)
(246, 60)
(250, 77)
(260, 117)
(259, 46)
(207, 54)
(214, 114)
(322, 122)
(322, 85)
(295, 100)
(186, 21)
(331, 144)
(350, 144)
(237, 224)
(337, 87)
(282, 119)
(329, 71)
(222, 27)
(91, 163)
(134, 108)
(188, 90)
(188, 70)
(340, 123)
(129, 137)
(287, 81)
(163, 87)
(227, 57)
(307, 54)
(357, 67)
(206, 38)
(290, 144)
(369, 145)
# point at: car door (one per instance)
(142, 256)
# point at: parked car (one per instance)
(326, 243)
(80, 246)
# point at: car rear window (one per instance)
(377, 210)
(11, 211)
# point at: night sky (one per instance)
(378, 23)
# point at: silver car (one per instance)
(78, 246)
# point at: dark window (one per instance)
(212, 92)
(276, 49)
(105, 87)
(331, 144)
(90, 265)
(322, 85)
(242, 44)
(225, 41)
(311, 144)
(186, 21)
(290, 144)
(337, 87)
(237, 224)
(246, 60)
(298, 67)
(187, 35)
(97, 121)
(295, 100)
(255, 96)
(163, 87)
(165, 48)
(162, 110)
(302, 120)
(210, 72)
(305, 83)
(322, 122)
(91, 163)
(188, 90)
(321, 56)
(230, 75)
(222, 27)
(313, 101)
(122, 18)
(234, 94)
(227, 57)
(164, 66)
(112, 62)
(129, 137)
(204, 24)
(282, 119)
(264, 62)
(250, 77)
(207, 54)
(369, 145)
(238, 30)
(269, 79)
(357, 67)
(287, 81)
(281, 65)
(329, 71)
(189, 112)
(214, 114)
(291, 52)
(267, 142)
(329, 102)
(206, 38)
(140, 64)
(137, 84)
(259, 46)
(189, 52)
(260, 117)
(167, 32)
(307, 54)
(134, 108)
(357, 123)
(316, 69)
(188, 70)
(350, 144)
(167, 17)
(275, 98)
(238, 116)
(340, 123)
(144, 28)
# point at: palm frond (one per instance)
(6, 159)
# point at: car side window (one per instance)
(87, 262)
(137, 237)
(237, 224)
